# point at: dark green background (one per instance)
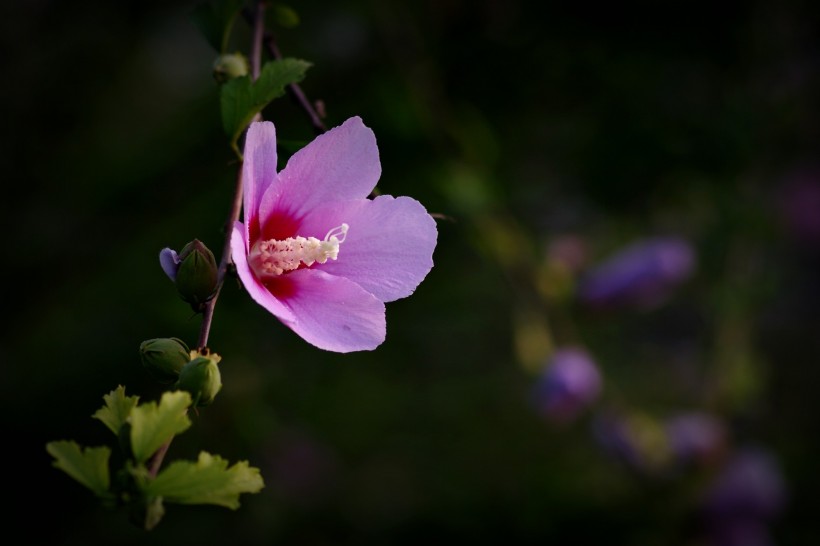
(611, 122)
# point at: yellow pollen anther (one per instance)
(274, 257)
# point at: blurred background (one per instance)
(618, 343)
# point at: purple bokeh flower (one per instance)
(750, 486)
(743, 499)
(315, 251)
(695, 437)
(568, 385)
(642, 274)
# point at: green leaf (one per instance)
(241, 99)
(89, 466)
(215, 20)
(117, 409)
(207, 481)
(152, 425)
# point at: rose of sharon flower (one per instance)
(314, 250)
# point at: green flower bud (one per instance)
(201, 377)
(164, 358)
(229, 66)
(197, 274)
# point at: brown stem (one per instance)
(233, 216)
(293, 89)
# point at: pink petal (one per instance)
(339, 165)
(258, 291)
(332, 313)
(258, 171)
(388, 249)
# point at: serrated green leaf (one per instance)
(89, 465)
(215, 20)
(152, 425)
(116, 410)
(240, 99)
(206, 481)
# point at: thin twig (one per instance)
(233, 216)
(156, 460)
(258, 25)
(224, 263)
(293, 89)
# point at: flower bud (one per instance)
(201, 377)
(164, 357)
(193, 270)
(229, 66)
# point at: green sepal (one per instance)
(201, 378)
(240, 99)
(197, 274)
(116, 410)
(164, 357)
(209, 480)
(89, 465)
(152, 425)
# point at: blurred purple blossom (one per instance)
(743, 499)
(750, 487)
(568, 385)
(643, 274)
(695, 437)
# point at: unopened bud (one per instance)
(230, 66)
(164, 358)
(194, 272)
(201, 377)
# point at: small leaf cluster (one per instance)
(241, 97)
(141, 430)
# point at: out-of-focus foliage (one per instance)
(548, 139)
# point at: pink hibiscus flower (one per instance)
(315, 251)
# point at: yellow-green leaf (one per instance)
(89, 465)
(209, 480)
(116, 410)
(152, 425)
